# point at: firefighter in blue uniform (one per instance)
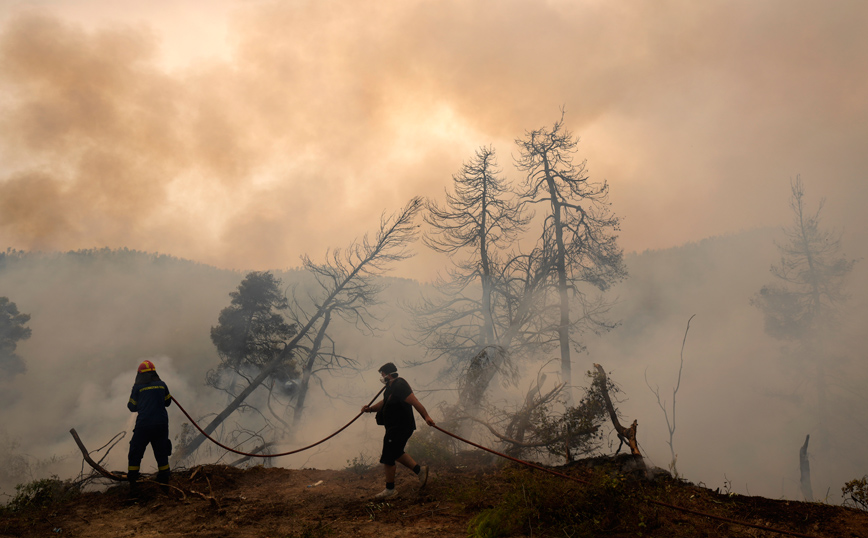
(150, 398)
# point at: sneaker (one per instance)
(423, 476)
(386, 493)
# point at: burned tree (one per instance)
(12, 331)
(347, 287)
(801, 306)
(579, 229)
(519, 303)
(805, 472)
(625, 435)
(476, 224)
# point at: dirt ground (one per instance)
(222, 501)
(214, 501)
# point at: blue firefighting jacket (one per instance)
(150, 398)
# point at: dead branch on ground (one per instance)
(96, 466)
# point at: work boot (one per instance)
(423, 476)
(163, 480)
(386, 493)
(133, 478)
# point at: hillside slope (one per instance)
(488, 500)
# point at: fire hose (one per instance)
(296, 451)
(107, 474)
(471, 443)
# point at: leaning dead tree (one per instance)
(348, 285)
(626, 435)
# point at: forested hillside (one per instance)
(742, 409)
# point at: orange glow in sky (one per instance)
(245, 133)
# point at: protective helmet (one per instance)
(147, 366)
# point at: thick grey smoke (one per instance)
(323, 114)
(697, 114)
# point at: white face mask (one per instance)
(385, 379)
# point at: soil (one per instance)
(223, 501)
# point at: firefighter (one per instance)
(150, 398)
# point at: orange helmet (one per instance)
(147, 366)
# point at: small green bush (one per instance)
(857, 489)
(38, 494)
(542, 504)
(360, 464)
(431, 447)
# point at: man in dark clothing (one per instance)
(395, 412)
(150, 398)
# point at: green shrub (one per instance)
(431, 447)
(857, 489)
(38, 494)
(360, 464)
(542, 504)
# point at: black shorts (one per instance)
(393, 444)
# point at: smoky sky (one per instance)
(312, 118)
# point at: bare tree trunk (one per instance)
(822, 408)
(364, 259)
(307, 370)
(626, 435)
(183, 451)
(488, 322)
(517, 428)
(563, 290)
(481, 370)
(805, 467)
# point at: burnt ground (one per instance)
(490, 501)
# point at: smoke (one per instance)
(311, 118)
(746, 401)
(319, 115)
(744, 406)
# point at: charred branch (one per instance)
(96, 467)
(805, 468)
(626, 435)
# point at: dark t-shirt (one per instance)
(396, 412)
